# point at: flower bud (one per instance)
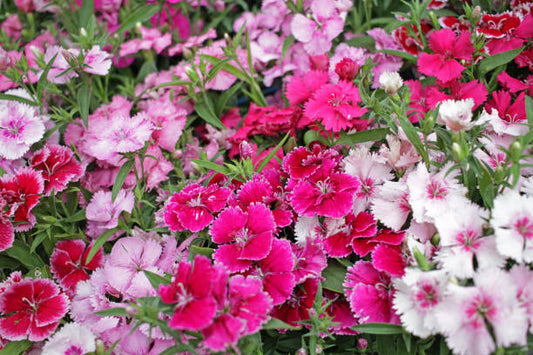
(362, 343)
(301, 351)
(391, 82)
(346, 69)
(515, 150)
(245, 150)
(25, 5)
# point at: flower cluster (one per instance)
(306, 181)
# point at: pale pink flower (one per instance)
(58, 73)
(464, 314)
(431, 194)
(20, 127)
(417, 295)
(97, 61)
(316, 35)
(462, 240)
(522, 276)
(457, 115)
(389, 204)
(168, 120)
(370, 172)
(102, 213)
(126, 262)
(400, 153)
(72, 338)
(512, 219)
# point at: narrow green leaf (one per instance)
(211, 166)
(496, 60)
(379, 328)
(84, 98)
(275, 323)
(312, 135)
(272, 154)
(143, 13)
(216, 68)
(76, 217)
(363, 41)
(121, 177)
(529, 110)
(155, 279)
(43, 79)
(147, 68)
(23, 100)
(15, 347)
(400, 54)
(196, 250)
(100, 241)
(412, 135)
(21, 252)
(175, 349)
(113, 312)
(287, 43)
(334, 275)
(86, 11)
(208, 115)
(226, 95)
(227, 67)
(8, 263)
(37, 241)
(363, 136)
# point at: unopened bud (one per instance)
(458, 152)
(391, 82)
(476, 12)
(245, 150)
(362, 343)
(301, 351)
(83, 32)
(515, 150)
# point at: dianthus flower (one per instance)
(31, 308)
(336, 106)
(193, 207)
(447, 47)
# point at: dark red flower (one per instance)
(68, 263)
(31, 309)
(58, 167)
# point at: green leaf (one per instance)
(211, 166)
(272, 154)
(37, 241)
(23, 100)
(8, 263)
(142, 14)
(379, 328)
(76, 217)
(275, 323)
(400, 54)
(227, 67)
(196, 250)
(412, 135)
(529, 110)
(363, 41)
(147, 68)
(113, 312)
(15, 347)
(203, 110)
(86, 11)
(21, 252)
(155, 279)
(175, 349)
(121, 177)
(223, 99)
(84, 99)
(370, 135)
(217, 68)
(334, 275)
(43, 79)
(287, 43)
(312, 135)
(496, 60)
(100, 241)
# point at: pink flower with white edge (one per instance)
(512, 219)
(340, 233)
(194, 206)
(59, 72)
(462, 241)
(302, 162)
(72, 338)
(370, 294)
(7, 233)
(325, 193)
(20, 127)
(417, 295)
(431, 194)
(310, 260)
(102, 213)
(336, 106)
(465, 313)
(245, 236)
(447, 47)
(31, 309)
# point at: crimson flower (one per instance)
(31, 309)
